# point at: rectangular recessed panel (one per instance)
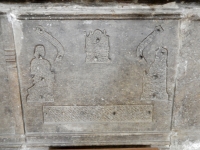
(97, 76)
(129, 113)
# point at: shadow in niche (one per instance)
(117, 147)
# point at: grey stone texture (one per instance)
(75, 75)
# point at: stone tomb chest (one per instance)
(93, 80)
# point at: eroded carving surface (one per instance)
(41, 72)
(103, 93)
(129, 113)
(10, 55)
(147, 41)
(43, 78)
(53, 41)
(155, 73)
(97, 47)
(154, 85)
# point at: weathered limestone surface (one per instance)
(109, 75)
(85, 90)
(186, 107)
(11, 124)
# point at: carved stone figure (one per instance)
(154, 80)
(97, 47)
(155, 72)
(43, 78)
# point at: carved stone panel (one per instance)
(66, 114)
(97, 76)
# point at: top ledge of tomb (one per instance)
(100, 10)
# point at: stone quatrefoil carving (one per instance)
(97, 50)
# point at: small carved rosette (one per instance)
(97, 47)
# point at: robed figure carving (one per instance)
(42, 76)
(154, 56)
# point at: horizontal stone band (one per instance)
(67, 114)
